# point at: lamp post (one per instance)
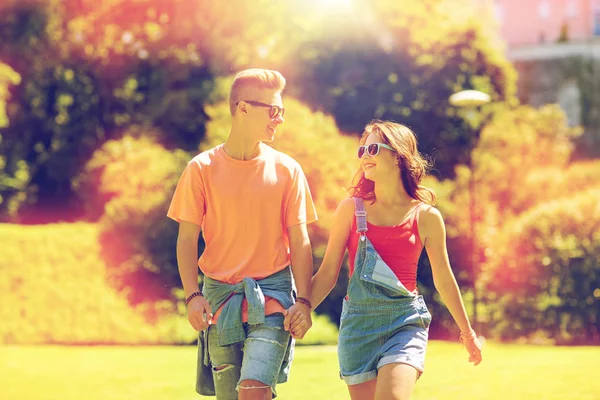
(470, 100)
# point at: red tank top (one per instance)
(399, 246)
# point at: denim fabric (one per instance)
(259, 357)
(278, 286)
(382, 322)
(232, 331)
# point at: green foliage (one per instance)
(54, 130)
(55, 290)
(7, 77)
(60, 294)
(542, 81)
(19, 179)
(515, 143)
(76, 94)
(525, 192)
(129, 182)
(545, 274)
(402, 62)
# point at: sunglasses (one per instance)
(275, 111)
(372, 149)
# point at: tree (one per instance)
(18, 179)
(534, 222)
(401, 61)
(77, 93)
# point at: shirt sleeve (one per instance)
(300, 207)
(189, 202)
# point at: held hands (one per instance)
(297, 320)
(199, 312)
(473, 346)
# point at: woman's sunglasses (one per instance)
(275, 111)
(372, 149)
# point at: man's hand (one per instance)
(199, 313)
(297, 320)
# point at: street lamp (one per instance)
(470, 100)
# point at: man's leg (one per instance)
(227, 363)
(264, 350)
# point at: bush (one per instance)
(129, 182)
(521, 162)
(57, 292)
(54, 290)
(543, 275)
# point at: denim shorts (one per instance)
(259, 357)
(376, 334)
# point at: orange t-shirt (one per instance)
(244, 209)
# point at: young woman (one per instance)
(385, 225)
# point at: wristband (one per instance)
(468, 336)
(191, 296)
(304, 301)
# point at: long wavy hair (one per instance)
(412, 165)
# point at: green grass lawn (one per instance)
(156, 373)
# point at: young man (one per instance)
(252, 204)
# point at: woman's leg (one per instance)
(363, 391)
(395, 382)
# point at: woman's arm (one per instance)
(433, 230)
(326, 277)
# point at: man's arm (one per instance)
(199, 312)
(301, 255)
(302, 268)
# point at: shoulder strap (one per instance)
(415, 212)
(361, 215)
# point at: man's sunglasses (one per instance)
(372, 149)
(275, 111)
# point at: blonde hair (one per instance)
(253, 78)
(412, 166)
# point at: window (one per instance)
(499, 12)
(571, 8)
(544, 9)
(597, 19)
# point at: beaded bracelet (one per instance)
(304, 301)
(191, 296)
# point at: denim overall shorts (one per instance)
(382, 322)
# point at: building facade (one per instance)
(533, 22)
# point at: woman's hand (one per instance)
(473, 346)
